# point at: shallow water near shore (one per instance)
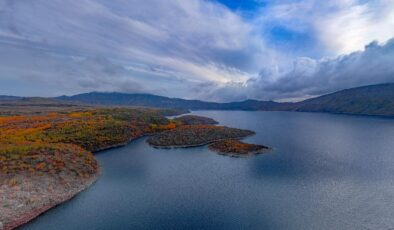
(325, 171)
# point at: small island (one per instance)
(236, 148)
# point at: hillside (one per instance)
(366, 100)
(125, 99)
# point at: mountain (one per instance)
(125, 99)
(366, 100)
(8, 98)
(33, 101)
(149, 100)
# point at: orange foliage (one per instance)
(80, 114)
(170, 125)
(40, 166)
(24, 138)
(4, 120)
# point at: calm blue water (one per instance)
(326, 172)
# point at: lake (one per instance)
(326, 171)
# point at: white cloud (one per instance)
(355, 24)
(341, 26)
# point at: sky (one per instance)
(215, 50)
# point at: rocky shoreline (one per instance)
(41, 178)
(33, 195)
(23, 185)
(50, 200)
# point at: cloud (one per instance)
(191, 31)
(310, 77)
(374, 65)
(50, 72)
(192, 49)
(337, 27)
(355, 24)
(194, 41)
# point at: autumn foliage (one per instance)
(55, 141)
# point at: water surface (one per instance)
(325, 172)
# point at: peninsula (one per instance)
(196, 131)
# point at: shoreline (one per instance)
(121, 144)
(36, 212)
(32, 214)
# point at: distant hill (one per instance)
(8, 98)
(366, 100)
(11, 106)
(33, 101)
(148, 100)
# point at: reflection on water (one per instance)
(325, 172)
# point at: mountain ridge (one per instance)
(150, 100)
(365, 100)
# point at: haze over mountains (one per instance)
(366, 100)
